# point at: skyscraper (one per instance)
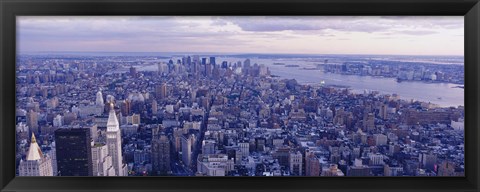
(36, 164)
(187, 150)
(32, 121)
(208, 70)
(161, 91)
(296, 163)
(99, 99)
(73, 149)
(114, 140)
(154, 107)
(102, 162)
(212, 60)
(133, 71)
(312, 164)
(161, 155)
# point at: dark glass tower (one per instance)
(74, 155)
(161, 155)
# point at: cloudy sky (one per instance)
(410, 35)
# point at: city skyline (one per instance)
(432, 35)
(281, 96)
(221, 116)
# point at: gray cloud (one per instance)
(271, 24)
(142, 33)
(418, 32)
(366, 24)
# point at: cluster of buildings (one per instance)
(402, 71)
(100, 116)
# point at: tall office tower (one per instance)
(208, 70)
(74, 153)
(246, 67)
(114, 142)
(246, 63)
(36, 164)
(162, 68)
(133, 71)
(101, 161)
(161, 155)
(383, 111)
(154, 107)
(32, 121)
(295, 160)
(369, 122)
(312, 164)
(212, 60)
(53, 154)
(125, 107)
(177, 139)
(158, 89)
(195, 67)
(187, 145)
(99, 99)
(216, 72)
(189, 60)
(244, 148)
(224, 64)
(161, 91)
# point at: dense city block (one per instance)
(203, 116)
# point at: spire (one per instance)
(112, 123)
(33, 140)
(34, 152)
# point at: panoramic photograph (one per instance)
(301, 96)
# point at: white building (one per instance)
(214, 164)
(244, 148)
(102, 162)
(295, 160)
(36, 164)
(458, 125)
(53, 154)
(380, 139)
(375, 159)
(58, 121)
(99, 99)
(114, 140)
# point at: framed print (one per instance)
(254, 95)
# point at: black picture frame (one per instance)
(9, 9)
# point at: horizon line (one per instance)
(232, 53)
